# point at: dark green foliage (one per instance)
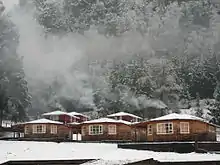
(199, 110)
(78, 16)
(185, 76)
(204, 78)
(14, 95)
(49, 16)
(197, 77)
(215, 108)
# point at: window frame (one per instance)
(212, 130)
(83, 130)
(184, 132)
(149, 129)
(35, 129)
(54, 117)
(110, 132)
(53, 129)
(91, 129)
(26, 130)
(165, 128)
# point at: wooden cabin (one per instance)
(106, 129)
(81, 117)
(61, 117)
(125, 116)
(46, 129)
(175, 127)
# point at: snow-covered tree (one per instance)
(167, 87)
(186, 33)
(199, 110)
(15, 98)
(215, 108)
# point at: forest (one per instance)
(134, 52)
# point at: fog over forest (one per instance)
(108, 56)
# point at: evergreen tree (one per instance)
(167, 87)
(128, 82)
(15, 98)
(211, 67)
(215, 108)
(203, 79)
(49, 15)
(199, 111)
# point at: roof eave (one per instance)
(106, 123)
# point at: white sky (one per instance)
(9, 4)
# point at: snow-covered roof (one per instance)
(76, 113)
(74, 123)
(55, 113)
(175, 116)
(107, 120)
(43, 121)
(123, 114)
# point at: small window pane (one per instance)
(83, 131)
(95, 129)
(164, 128)
(112, 130)
(149, 129)
(53, 129)
(184, 127)
(39, 129)
(26, 129)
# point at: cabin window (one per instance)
(54, 118)
(164, 128)
(112, 130)
(95, 129)
(83, 131)
(149, 129)
(39, 129)
(211, 129)
(26, 129)
(184, 127)
(53, 129)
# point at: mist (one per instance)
(67, 58)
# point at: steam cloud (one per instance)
(67, 58)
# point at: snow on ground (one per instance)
(108, 153)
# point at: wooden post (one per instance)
(196, 143)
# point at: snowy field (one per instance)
(108, 153)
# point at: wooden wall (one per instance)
(123, 133)
(198, 130)
(62, 132)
